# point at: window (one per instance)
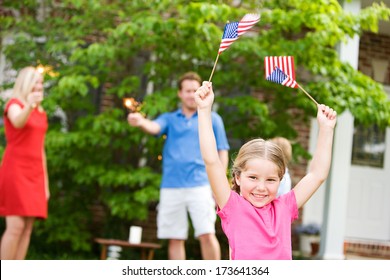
(369, 145)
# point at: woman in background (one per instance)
(24, 189)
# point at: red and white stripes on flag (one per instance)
(284, 63)
(247, 22)
(234, 30)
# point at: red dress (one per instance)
(22, 173)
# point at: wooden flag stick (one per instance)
(215, 64)
(308, 94)
(302, 89)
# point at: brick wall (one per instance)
(370, 249)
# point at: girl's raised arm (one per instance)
(320, 164)
(216, 171)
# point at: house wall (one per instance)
(373, 47)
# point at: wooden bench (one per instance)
(147, 249)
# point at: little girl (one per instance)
(256, 222)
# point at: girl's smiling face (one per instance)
(259, 181)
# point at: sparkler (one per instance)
(131, 104)
(46, 70)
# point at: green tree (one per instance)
(102, 51)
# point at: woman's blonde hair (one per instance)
(257, 148)
(25, 82)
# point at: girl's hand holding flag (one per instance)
(204, 96)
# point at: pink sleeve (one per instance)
(292, 202)
(230, 205)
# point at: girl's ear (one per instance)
(237, 179)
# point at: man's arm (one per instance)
(148, 126)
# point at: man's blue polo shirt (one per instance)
(183, 166)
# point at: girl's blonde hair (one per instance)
(257, 148)
(25, 82)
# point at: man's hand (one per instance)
(135, 119)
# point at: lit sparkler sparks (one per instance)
(131, 104)
(46, 70)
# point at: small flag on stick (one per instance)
(285, 64)
(274, 72)
(233, 31)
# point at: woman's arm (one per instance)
(18, 116)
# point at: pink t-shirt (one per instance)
(259, 233)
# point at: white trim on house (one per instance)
(328, 206)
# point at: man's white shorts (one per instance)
(172, 217)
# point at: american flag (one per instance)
(235, 29)
(230, 34)
(277, 66)
(279, 77)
